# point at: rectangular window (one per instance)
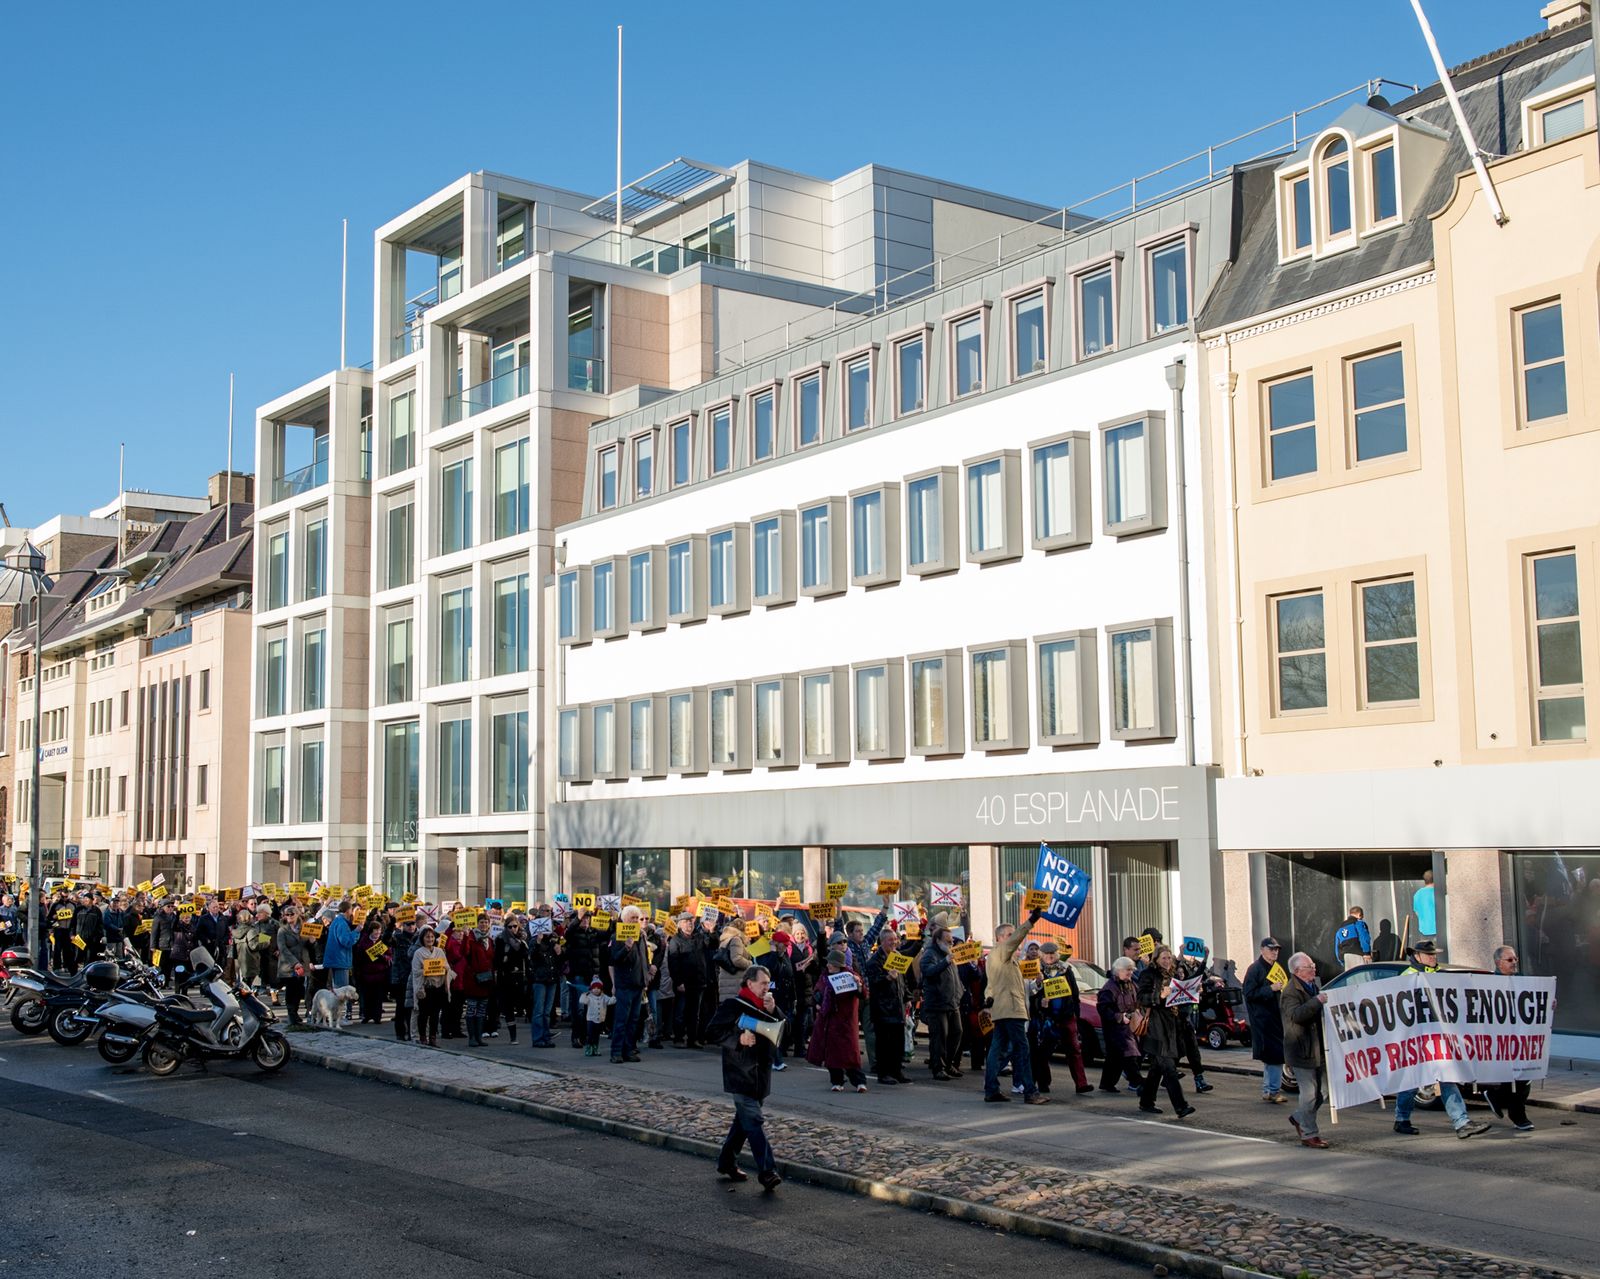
(932, 704)
(680, 579)
(1028, 335)
(724, 728)
(315, 571)
(1390, 670)
(569, 598)
(879, 711)
(1133, 454)
(511, 512)
(1057, 479)
(1300, 213)
(816, 548)
(991, 698)
(770, 729)
(642, 736)
(925, 521)
(277, 569)
(1385, 194)
(1060, 684)
(1300, 653)
(763, 431)
(773, 581)
(1169, 286)
(721, 441)
(993, 515)
(455, 635)
(682, 456)
(1097, 318)
(205, 695)
(723, 552)
(1558, 649)
(568, 756)
(274, 695)
(272, 786)
(313, 670)
(1337, 177)
(401, 787)
(509, 742)
(1562, 121)
(202, 785)
(909, 376)
(867, 535)
(511, 624)
(680, 732)
(311, 781)
(808, 409)
(644, 466)
(1378, 404)
(511, 238)
(603, 739)
(817, 726)
(1291, 427)
(604, 588)
(858, 393)
(1542, 357)
(641, 590)
(397, 661)
(455, 761)
(966, 355)
(402, 433)
(400, 553)
(455, 507)
(1135, 686)
(607, 494)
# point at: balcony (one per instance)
(312, 475)
(413, 326)
(586, 373)
(498, 390)
(179, 638)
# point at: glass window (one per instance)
(1385, 196)
(400, 556)
(567, 745)
(274, 689)
(1169, 287)
(774, 870)
(967, 354)
(991, 697)
(909, 380)
(455, 508)
(647, 874)
(925, 521)
(721, 441)
(769, 722)
(764, 436)
(455, 761)
(608, 478)
(511, 624)
(1137, 888)
(680, 731)
(402, 432)
(986, 506)
(1301, 652)
(313, 673)
(641, 735)
(1300, 212)
(1053, 490)
(718, 870)
(816, 567)
(1027, 333)
(866, 531)
(603, 739)
(569, 598)
(724, 728)
(1337, 174)
(1133, 681)
(511, 238)
(641, 597)
(1553, 906)
(722, 554)
(1017, 865)
(768, 559)
(1558, 649)
(858, 393)
(921, 868)
(316, 559)
(1562, 121)
(509, 740)
(1060, 712)
(817, 715)
(511, 489)
(808, 409)
(644, 462)
(1389, 652)
(397, 661)
(861, 869)
(680, 579)
(272, 785)
(1096, 313)
(1291, 428)
(400, 785)
(455, 635)
(1378, 387)
(277, 569)
(872, 711)
(1544, 363)
(681, 455)
(928, 705)
(603, 584)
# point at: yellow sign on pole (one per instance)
(837, 890)
(582, 901)
(897, 963)
(888, 887)
(1275, 975)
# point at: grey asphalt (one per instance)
(113, 1173)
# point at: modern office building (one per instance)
(1404, 392)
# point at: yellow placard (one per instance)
(708, 913)
(627, 932)
(1057, 987)
(310, 931)
(897, 963)
(155, 959)
(405, 914)
(1275, 974)
(823, 910)
(359, 916)
(582, 901)
(752, 929)
(888, 887)
(1029, 968)
(373, 952)
(69, 883)
(1036, 898)
(408, 898)
(629, 900)
(759, 947)
(1147, 945)
(145, 886)
(205, 890)
(985, 1022)
(434, 967)
(912, 932)
(522, 906)
(600, 920)
(142, 929)
(465, 918)
(269, 890)
(967, 952)
(296, 888)
(725, 905)
(789, 897)
(158, 893)
(64, 915)
(333, 890)
(764, 911)
(663, 918)
(836, 891)
(185, 908)
(79, 942)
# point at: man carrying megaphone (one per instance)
(749, 1030)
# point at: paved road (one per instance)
(113, 1173)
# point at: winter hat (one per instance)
(595, 981)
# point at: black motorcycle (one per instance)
(70, 1013)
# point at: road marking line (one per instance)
(104, 1097)
(1210, 1132)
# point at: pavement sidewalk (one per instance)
(1570, 1086)
(1093, 1179)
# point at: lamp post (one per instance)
(23, 580)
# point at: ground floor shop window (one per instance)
(508, 874)
(917, 867)
(719, 870)
(1018, 862)
(860, 869)
(1309, 894)
(176, 870)
(770, 871)
(306, 865)
(589, 872)
(1557, 900)
(647, 873)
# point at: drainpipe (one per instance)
(1177, 371)
(1228, 384)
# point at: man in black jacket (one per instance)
(582, 946)
(686, 970)
(746, 1074)
(211, 930)
(89, 927)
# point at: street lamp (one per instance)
(24, 580)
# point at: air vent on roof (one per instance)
(1378, 102)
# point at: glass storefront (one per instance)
(399, 877)
(916, 867)
(1018, 862)
(1309, 894)
(647, 873)
(306, 865)
(1557, 901)
(861, 869)
(718, 870)
(770, 871)
(508, 874)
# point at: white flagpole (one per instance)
(344, 290)
(122, 500)
(227, 506)
(1473, 152)
(619, 143)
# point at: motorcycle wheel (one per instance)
(64, 1030)
(28, 1018)
(161, 1060)
(1217, 1038)
(116, 1054)
(270, 1052)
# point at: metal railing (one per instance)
(413, 330)
(308, 477)
(179, 638)
(1280, 136)
(498, 390)
(586, 373)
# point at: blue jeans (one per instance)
(541, 999)
(748, 1124)
(1009, 1042)
(1271, 1079)
(1455, 1105)
(338, 977)
(625, 1021)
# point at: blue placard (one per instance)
(1067, 884)
(1194, 947)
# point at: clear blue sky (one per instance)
(176, 173)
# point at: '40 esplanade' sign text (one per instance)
(1079, 804)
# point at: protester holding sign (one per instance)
(1118, 1004)
(475, 972)
(511, 973)
(1425, 961)
(294, 961)
(835, 1043)
(402, 942)
(1261, 990)
(1509, 1100)
(431, 977)
(371, 970)
(743, 1026)
(1163, 1040)
(732, 958)
(886, 997)
(1301, 1005)
(1061, 1005)
(544, 980)
(1008, 1009)
(941, 1004)
(630, 978)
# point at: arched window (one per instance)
(1336, 187)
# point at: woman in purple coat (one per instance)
(1117, 1001)
(834, 1035)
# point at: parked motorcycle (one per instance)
(234, 1025)
(127, 1020)
(69, 1016)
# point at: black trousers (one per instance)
(294, 994)
(686, 1014)
(944, 1040)
(891, 1040)
(1163, 1070)
(431, 1001)
(1511, 1099)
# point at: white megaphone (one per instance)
(772, 1030)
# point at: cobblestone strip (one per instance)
(1183, 1232)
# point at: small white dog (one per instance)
(331, 1004)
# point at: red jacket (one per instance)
(473, 961)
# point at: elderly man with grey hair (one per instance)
(630, 978)
(1509, 1100)
(1300, 1002)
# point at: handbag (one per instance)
(1139, 1022)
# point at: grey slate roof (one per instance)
(1492, 89)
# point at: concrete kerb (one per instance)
(1129, 1249)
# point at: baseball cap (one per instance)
(1270, 943)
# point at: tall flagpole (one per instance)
(227, 506)
(344, 294)
(619, 143)
(122, 503)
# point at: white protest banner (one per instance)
(1386, 1036)
(843, 983)
(906, 913)
(944, 896)
(611, 903)
(541, 926)
(1184, 992)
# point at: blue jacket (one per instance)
(339, 945)
(1353, 938)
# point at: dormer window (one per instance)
(1336, 189)
(1298, 230)
(1562, 105)
(1385, 193)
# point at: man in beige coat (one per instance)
(1008, 1008)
